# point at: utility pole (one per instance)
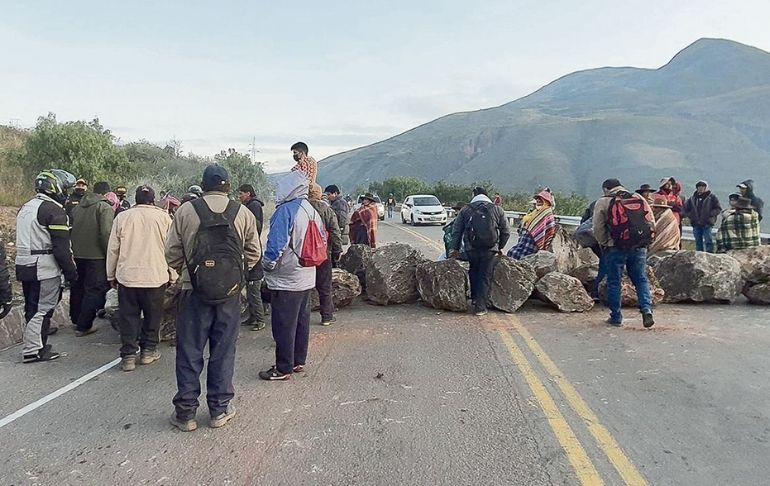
(254, 149)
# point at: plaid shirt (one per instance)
(525, 246)
(739, 230)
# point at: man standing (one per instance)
(747, 190)
(211, 242)
(391, 204)
(123, 203)
(91, 226)
(485, 229)
(341, 209)
(702, 209)
(363, 223)
(43, 254)
(287, 279)
(304, 162)
(256, 319)
(81, 186)
(323, 272)
(136, 266)
(624, 226)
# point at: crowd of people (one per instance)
(210, 247)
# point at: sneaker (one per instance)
(480, 312)
(299, 369)
(149, 357)
(44, 354)
(128, 363)
(183, 425)
(647, 319)
(615, 322)
(258, 326)
(79, 333)
(222, 419)
(274, 375)
(328, 322)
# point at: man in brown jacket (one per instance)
(323, 273)
(200, 321)
(136, 266)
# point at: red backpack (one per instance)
(630, 224)
(314, 251)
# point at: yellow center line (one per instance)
(584, 468)
(604, 439)
(415, 234)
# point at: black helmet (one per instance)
(55, 183)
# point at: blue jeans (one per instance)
(702, 234)
(635, 263)
(600, 276)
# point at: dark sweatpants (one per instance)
(196, 325)
(88, 294)
(291, 327)
(134, 303)
(481, 263)
(323, 284)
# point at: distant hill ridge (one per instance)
(704, 115)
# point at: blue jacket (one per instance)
(288, 225)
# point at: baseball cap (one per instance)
(214, 176)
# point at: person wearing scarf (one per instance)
(538, 227)
(667, 235)
(304, 162)
(363, 223)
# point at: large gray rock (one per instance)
(355, 260)
(12, 325)
(543, 262)
(391, 274)
(628, 296)
(511, 285)
(755, 263)
(345, 288)
(586, 273)
(564, 292)
(569, 254)
(443, 285)
(758, 294)
(696, 276)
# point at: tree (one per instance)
(243, 170)
(86, 149)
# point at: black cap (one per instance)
(145, 195)
(214, 177)
(332, 189)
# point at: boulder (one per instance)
(443, 285)
(511, 285)
(390, 274)
(628, 290)
(568, 252)
(758, 294)
(543, 262)
(355, 260)
(755, 263)
(564, 292)
(345, 288)
(586, 273)
(696, 276)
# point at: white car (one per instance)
(423, 209)
(377, 202)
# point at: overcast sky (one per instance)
(335, 74)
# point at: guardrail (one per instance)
(574, 222)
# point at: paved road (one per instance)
(409, 395)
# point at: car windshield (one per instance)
(427, 201)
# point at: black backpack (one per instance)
(217, 267)
(631, 226)
(482, 226)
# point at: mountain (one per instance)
(704, 115)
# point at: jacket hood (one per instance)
(91, 199)
(291, 186)
(749, 183)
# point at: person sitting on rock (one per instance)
(739, 228)
(667, 235)
(538, 227)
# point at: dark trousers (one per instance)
(196, 325)
(480, 271)
(255, 304)
(323, 284)
(291, 327)
(140, 312)
(88, 294)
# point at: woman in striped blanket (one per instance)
(537, 229)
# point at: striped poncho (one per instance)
(538, 227)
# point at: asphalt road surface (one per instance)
(410, 395)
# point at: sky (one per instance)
(336, 74)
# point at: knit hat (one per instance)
(315, 192)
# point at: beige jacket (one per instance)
(181, 237)
(135, 251)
